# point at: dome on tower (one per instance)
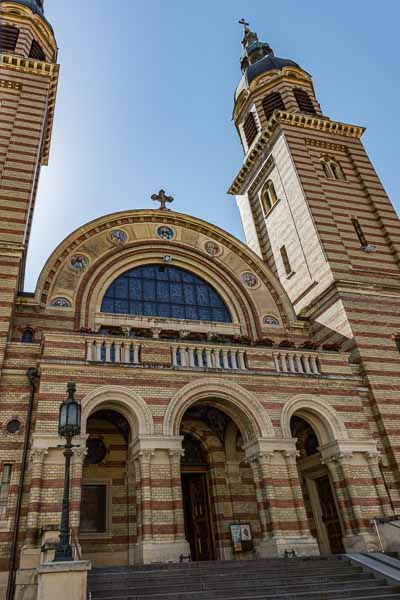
(258, 57)
(36, 6)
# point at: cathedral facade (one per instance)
(237, 400)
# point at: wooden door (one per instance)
(197, 516)
(330, 515)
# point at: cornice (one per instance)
(296, 120)
(38, 67)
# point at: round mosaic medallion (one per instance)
(213, 249)
(79, 262)
(250, 280)
(118, 237)
(165, 233)
(270, 320)
(61, 302)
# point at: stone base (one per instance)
(361, 542)
(26, 584)
(63, 580)
(153, 552)
(274, 547)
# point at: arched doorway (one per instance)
(107, 522)
(318, 492)
(217, 483)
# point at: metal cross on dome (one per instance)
(244, 23)
(163, 199)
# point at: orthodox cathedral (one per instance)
(237, 400)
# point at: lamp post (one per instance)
(69, 425)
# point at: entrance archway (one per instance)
(107, 521)
(217, 483)
(320, 501)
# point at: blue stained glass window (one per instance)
(164, 291)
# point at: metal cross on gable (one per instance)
(244, 23)
(163, 199)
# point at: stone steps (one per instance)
(323, 578)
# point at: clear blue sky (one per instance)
(146, 94)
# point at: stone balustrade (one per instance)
(205, 357)
(113, 351)
(296, 362)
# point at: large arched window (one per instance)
(164, 291)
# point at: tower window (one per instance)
(250, 128)
(27, 336)
(4, 490)
(397, 342)
(332, 169)
(268, 197)
(286, 261)
(304, 101)
(8, 38)
(36, 51)
(360, 233)
(272, 102)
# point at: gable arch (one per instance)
(326, 422)
(121, 399)
(243, 408)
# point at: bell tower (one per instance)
(313, 207)
(28, 85)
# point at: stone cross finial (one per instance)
(162, 198)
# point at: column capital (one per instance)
(267, 447)
(344, 450)
(37, 455)
(152, 443)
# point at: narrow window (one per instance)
(336, 170)
(4, 490)
(397, 341)
(268, 197)
(304, 101)
(332, 169)
(285, 260)
(272, 102)
(360, 233)
(8, 38)
(250, 128)
(36, 51)
(27, 336)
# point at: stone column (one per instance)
(357, 494)
(280, 500)
(373, 463)
(37, 457)
(78, 458)
(160, 526)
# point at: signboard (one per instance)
(242, 538)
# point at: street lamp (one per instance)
(69, 425)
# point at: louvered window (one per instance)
(286, 261)
(272, 102)
(36, 51)
(8, 38)
(360, 234)
(304, 101)
(250, 128)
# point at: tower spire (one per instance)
(253, 49)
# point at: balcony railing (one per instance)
(297, 362)
(202, 357)
(117, 351)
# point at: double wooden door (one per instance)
(330, 515)
(197, 516)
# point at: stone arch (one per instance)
(324, 419)
(121, 399)
(243, 408)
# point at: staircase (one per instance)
(322, 578)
